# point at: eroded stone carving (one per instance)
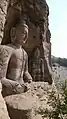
(14, 61)
(3, 108)
(35, 13)
(40, 67)
(37, 65)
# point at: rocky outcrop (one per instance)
(37, 103)
(3, 11)
(3, 109)
(35, 14)
(18, 110)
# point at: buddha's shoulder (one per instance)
(4, 49)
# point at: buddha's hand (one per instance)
(19, 89)
(21, 82)
(30, 81)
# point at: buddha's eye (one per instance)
(24, 32)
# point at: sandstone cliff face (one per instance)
(3, 109)
(3, 11)
(35, 13)
(39, 102)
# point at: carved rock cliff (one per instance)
(3, 11)
(35, 13)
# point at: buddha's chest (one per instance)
(16, 60)
(15, 66)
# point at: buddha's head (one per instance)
(19, 33)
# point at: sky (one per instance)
(58, 27)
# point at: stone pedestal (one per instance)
(19, 106)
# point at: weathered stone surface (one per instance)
(19, 106)
(35, 14)
(14, 62)
(45, 98)
(39, 98)
(3, 108)
(38, 116)
(3, 11)
(42, 96)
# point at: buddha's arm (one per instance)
(9, 83)
(4, 59)
(26, 73)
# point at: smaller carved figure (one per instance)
(40, 68)
(14, 61)
(37, 66)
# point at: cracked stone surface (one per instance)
(3, 108)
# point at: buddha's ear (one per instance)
(13, 32)
(26, 37)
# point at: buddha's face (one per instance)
(20, 34)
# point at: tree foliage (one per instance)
(60, 61)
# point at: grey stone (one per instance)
(35, 14)
(3, 108)
(14, 62)
(19, 106)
